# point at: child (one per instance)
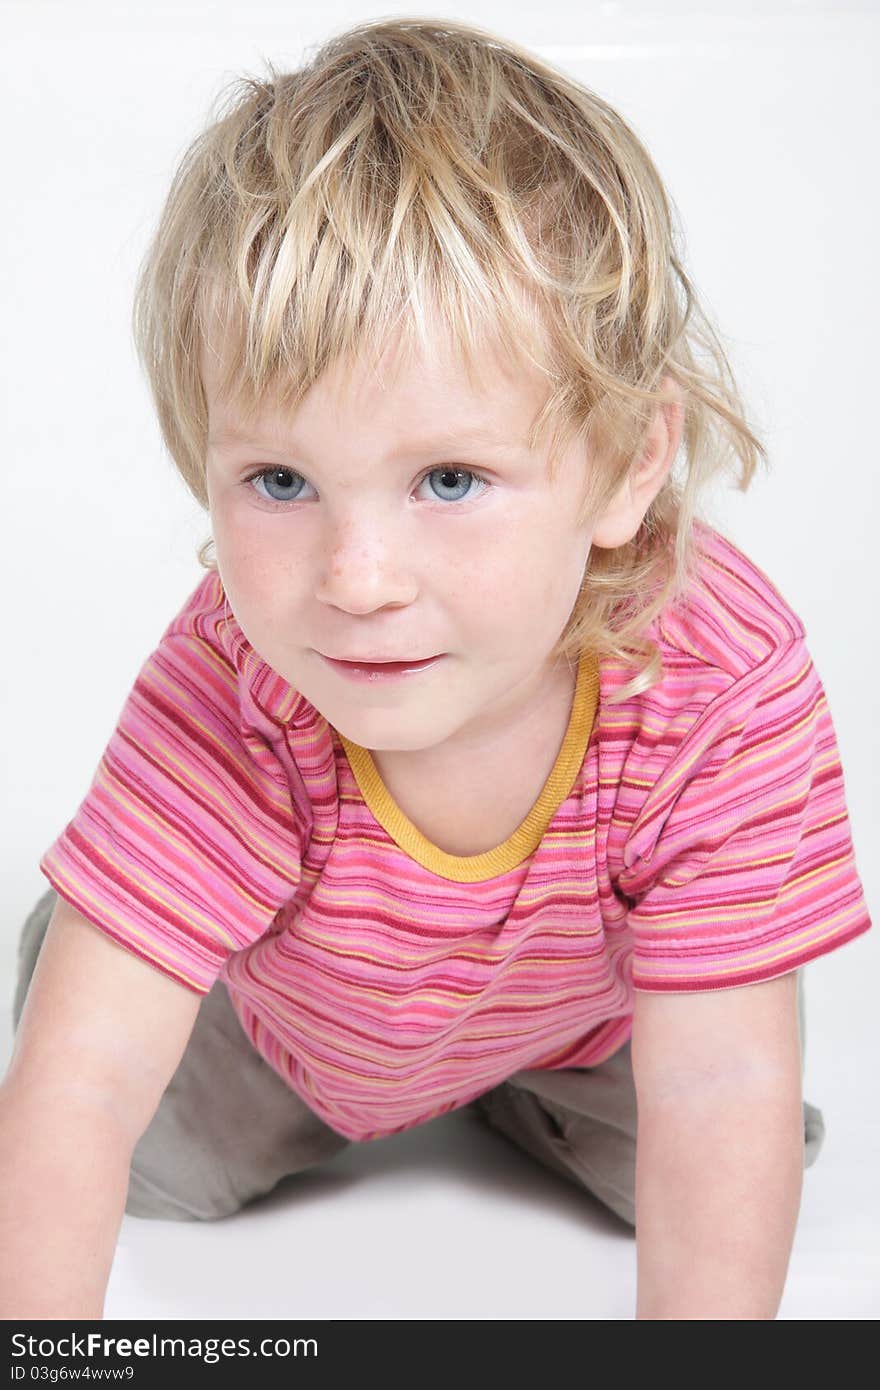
(525, 797)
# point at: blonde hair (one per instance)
(415, 161)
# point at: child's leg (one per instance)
(581, 1122)
(227, 1128)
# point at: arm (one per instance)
(719, 1155)
(98, 1041)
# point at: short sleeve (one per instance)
(188, 841)
(745, 868)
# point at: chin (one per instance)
(382, 735)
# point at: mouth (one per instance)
(380, 670)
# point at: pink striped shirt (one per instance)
(694, 837)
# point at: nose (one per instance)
(365, 568)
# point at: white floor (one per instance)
(449, 1220)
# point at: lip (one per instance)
(380, 671)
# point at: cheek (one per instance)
(253, 559)
(509, 577)
(564, 580)
(481, 568)
(534, 557)
(259, 586)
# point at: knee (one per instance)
(175, 1176)
(147, 1201)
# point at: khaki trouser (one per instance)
(228, 1128)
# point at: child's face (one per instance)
(364, 546)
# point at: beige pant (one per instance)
(228, 1128)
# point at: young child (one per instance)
(479, 769)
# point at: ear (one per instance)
(625, 513)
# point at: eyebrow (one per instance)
(479, 435)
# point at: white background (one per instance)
(764, 120)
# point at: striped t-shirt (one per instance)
(693, 837)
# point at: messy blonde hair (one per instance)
(417, 161)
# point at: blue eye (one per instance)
(268, 475)
(447, 471)
(273, 478)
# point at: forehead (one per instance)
(434, 382)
